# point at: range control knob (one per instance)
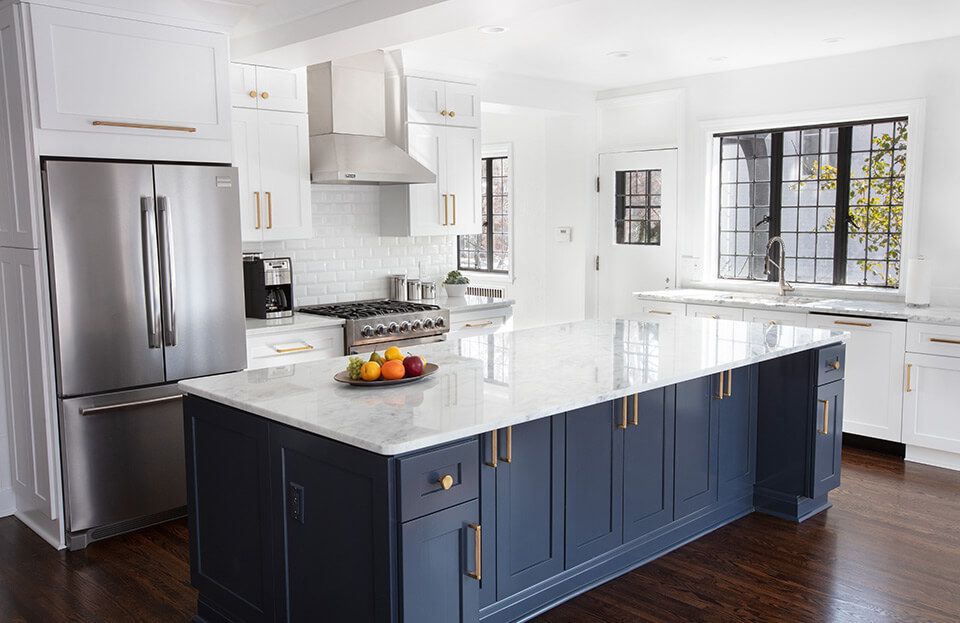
(404, 326)
(393, 329)
(366, 331)
(428, 323)
(381, 330)
(439, 322)
(415, 325)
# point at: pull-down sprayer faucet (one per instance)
(767, 260)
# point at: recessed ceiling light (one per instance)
(833, 40)
(717, 59)
(492, 29)
(620, 54)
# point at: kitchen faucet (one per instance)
(784, 286)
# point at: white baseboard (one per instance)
(937, 458)
(8, 502)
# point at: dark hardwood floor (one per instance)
(888, 550)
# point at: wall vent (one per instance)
(496, 293)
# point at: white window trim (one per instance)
(913, 110)
(479, 277)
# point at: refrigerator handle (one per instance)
(167, 272)
(148, 236)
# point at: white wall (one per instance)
(926, 70)
(347, 259)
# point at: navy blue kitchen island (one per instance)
(500, 487)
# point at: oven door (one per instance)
(399, 343)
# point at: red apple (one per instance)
(413, 365)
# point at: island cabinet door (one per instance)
(828, 423)
(529, 504)
(648, 464)
(695, 461)
(737, 422)
(441, 567)
(335, 512)
(594, 479)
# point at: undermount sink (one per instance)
(768, 299)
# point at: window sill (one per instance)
(481, 278)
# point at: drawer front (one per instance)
(421, 477)
(275, 349)
(830, 364)
(933, 339)
(662, 309)
(775, 317)
(472, 326)
(717, 312)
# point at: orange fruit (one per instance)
(370, 371)
(393, 370)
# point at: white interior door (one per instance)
(636, 227)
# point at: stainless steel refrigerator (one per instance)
(147, 289)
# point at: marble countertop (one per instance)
(843, 307)
(488, 382)
(298, 321)
(471, 303)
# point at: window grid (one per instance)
(838, 204)
(637, 219)
(489, 251)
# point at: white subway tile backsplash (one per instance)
(347, 259)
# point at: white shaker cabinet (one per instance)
(451, 206)
(442, 103)
(931, 395)
(268, 88)
(717, 312)
(115, 80)
(271, 150)
(874, 373)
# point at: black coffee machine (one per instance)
(268, 287)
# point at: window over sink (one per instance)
(833, 193)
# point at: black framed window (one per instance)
(833, 193)
(489, 251)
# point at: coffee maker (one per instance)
(268, 287)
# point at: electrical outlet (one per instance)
(295, 501)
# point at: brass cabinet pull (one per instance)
(145, 126)
(446, 482)
(264, 95)
(443, 113)
(853, 324)
(509, 457)
(453, 114)
(476, 548)
(729, 383)
(719, 395)
(662, 313)
(826, 415)
(940, 340)
(479, 324)
(257, 195)
(493, 449)
(454, 203)
(715, 317)
(773, 322)
(623, 421)
(636, 418)
(445, 223)
(909, 367)
(269, 210)
(252, 93)
(293, 350)
(835, 364)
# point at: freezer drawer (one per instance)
(123, 456)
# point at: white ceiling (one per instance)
(563, 40)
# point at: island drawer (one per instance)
(423, 477)
(830, 364)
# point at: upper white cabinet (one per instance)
(874, 373)
(111, 77)
(442, 103)
(268, 88)
(271, 151)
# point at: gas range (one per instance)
(375, 324)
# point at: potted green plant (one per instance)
(455, 284)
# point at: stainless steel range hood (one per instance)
(347, 109)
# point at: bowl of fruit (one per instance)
(392, 368)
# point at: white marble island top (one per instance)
(492, 381)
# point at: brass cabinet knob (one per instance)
(443, 113)
(835, 364)
(446, 482)
(252, 94)
(453, 114)
(264, 95)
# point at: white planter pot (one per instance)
(455, 290)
